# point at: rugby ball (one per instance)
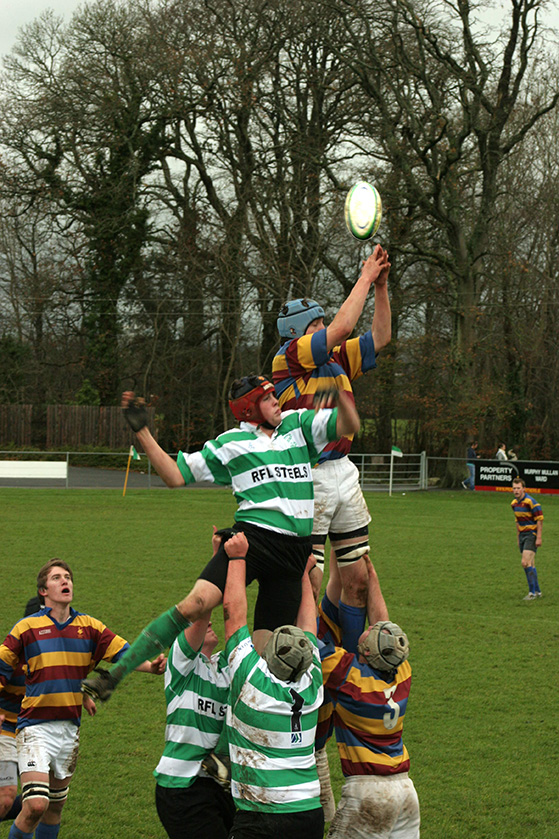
(363, 210)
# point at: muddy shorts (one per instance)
(377, 807)
(49, 747)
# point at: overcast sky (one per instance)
(15, 13)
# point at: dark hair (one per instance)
(33, 605)
(519, 481)
(43, 574)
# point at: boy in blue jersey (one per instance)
(312, 358)
(58, 646)
(529, 524)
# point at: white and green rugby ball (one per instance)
(363, 210)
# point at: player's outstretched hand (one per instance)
(134, 410)
(376, 267)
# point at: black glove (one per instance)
(136, 414)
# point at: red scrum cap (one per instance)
(245, 395)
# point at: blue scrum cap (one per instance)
(296, 315)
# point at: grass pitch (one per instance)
(481, 725)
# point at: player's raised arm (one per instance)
(349, 312)
(381, 326)
(234, 596)
(135, 413)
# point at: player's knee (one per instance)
(355, 581)
(193, 606)
(7, 798)
(35, 798)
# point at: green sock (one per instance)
(154, 639)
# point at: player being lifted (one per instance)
(268, 460)
(315, 357)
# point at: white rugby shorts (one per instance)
(8, 761)
(49, 747)
(339, 506)
(377, 807)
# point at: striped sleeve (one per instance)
(206, 465)
(108, 646)
(319, 429)
(10, 652)
(356, 355)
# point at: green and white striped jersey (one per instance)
(271, 729)
(271, 476)
(197, 692)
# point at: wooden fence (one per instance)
(15, 424)
(67, 426)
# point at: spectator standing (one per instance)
(471, 457)
(501, 453)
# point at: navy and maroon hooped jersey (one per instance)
(57, 656)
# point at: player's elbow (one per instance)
(348, 426)
(173, 479)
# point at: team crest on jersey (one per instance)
(296, 738)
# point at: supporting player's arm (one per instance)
(136, 417)
(349, 312)
(234, 596)
(376, 605)
(334, 585)
(306, 616)
(348, 421)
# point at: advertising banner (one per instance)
(539, 476)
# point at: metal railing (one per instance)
(377, 471)
(384, 471)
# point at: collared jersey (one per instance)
(364, 710)
(303, 366)
(527, 512)
(271, 729)
(196, 690)
(58, 656)
(11, 695)
(271, 476)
